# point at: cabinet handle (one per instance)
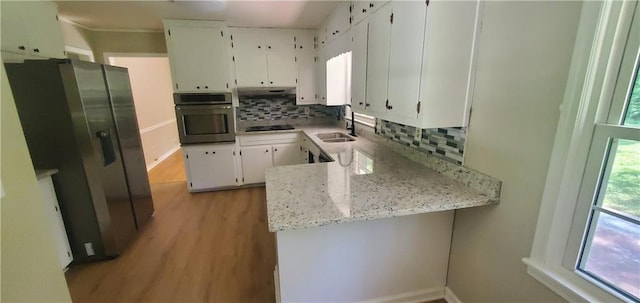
(370, 4)
(364, 10)
(198, 87)
(261, 82)
(301, 98)
(360, 103)
(213, 152)
(21, 47)
(37, 50)
(259, 46)
(367, 104)
(269, 46)
(271, 82)
(266, 151)
(275, 149)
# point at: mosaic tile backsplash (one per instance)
(444, 143)
(270, 107)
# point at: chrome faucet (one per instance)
(353, 122)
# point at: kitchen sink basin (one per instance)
(335, 137)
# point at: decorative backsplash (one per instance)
(270, 107)
(444, 143)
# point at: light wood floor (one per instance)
(204, 247)
(169, 170)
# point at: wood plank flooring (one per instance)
(169, 170)
(204, 247)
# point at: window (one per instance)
(587, 242)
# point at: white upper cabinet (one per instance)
(281, 69)
(449, 54)
(251, 69)
(199, 55)
(304, 40)
(31, 28)
(339, 21)
(246, 39)
(362, 9)
(279, 40)
(405, 60)
(321, 76)
(264, 57)
(359, 35)
(378, 46)
(306, 93)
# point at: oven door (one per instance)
(205, 123)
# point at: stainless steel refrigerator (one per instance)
(79, 117)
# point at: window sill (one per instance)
(568, 284)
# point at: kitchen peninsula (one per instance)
(371, 225)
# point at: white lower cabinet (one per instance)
(255, 161)
(210, 166)
(260, 152)
(57, 229)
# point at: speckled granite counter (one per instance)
(368, 180)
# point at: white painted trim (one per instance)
(423, 295)
(157, 125)
(81, 51)
(450, 297)
(65, 20)
(163, 157)
(108, 57)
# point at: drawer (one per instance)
(269, 139)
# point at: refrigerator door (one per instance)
(93, 95)
(124, 115)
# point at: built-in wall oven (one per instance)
(205, 117)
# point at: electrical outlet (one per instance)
(306, 110)
(418, 134)
(89, 248)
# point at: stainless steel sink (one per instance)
(335, 137)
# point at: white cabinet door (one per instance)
(214, 65)
(306, 92)
(44, 32)
(339, 21)
(304, 40)
(321, 76)
(359, 66)
(199, 55)
(247, 39)
(31, 28)
(378, 60)
(321, 36)
(405, 60)
(185, 57)
(57, 227)
(210, 166)
(359, 11)
(255, 161)
(280, 40)
(447, 78)
(251, 69)
(286, 154)
(14, 37)
(282, 69)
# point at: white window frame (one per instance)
(596, 64)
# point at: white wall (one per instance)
(524, 56)
(153, 98)
(30, 267)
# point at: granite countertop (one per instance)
(368, 180)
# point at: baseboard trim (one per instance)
(450, 297)
(423, 295)
(157, 125)
(163, 157)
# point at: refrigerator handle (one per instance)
(106, 144)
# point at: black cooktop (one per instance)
(269, 127)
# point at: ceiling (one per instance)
(147, 15)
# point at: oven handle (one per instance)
(203, 107)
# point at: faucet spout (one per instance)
(353, 122)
